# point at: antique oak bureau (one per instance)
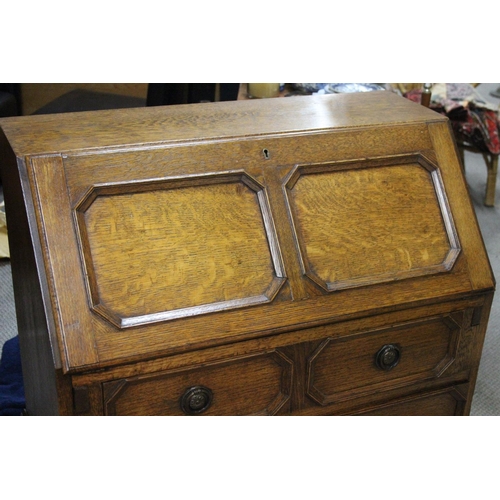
(314, 255)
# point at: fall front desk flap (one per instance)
(165, 228)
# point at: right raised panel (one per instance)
(368, 221)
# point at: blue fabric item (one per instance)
(12, 400)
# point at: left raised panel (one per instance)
(157, 250)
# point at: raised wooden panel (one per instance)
(345, 367)
(258, 385)
(156, 251)
(359, 223)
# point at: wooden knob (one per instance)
(196, 400)
(387, 357)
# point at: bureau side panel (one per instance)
(41, 378)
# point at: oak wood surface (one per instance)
(313, 335)
(138, 241)
(248, 386)
(58, 133)
(102, 177)
(480, 269)
(349, 379)
(389, 230)
(344, 367)
(266, 248)
(46, 390)
(446, 402)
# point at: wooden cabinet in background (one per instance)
(313, 255)
(37, 95)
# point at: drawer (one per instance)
(257, 385)
(348, 367)
(447, 402)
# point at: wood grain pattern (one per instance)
(181, 250)
(59, 252)
(266, 250)
(118, 167)
(47, 391)
(352, 222)
(447, 402)
(292, 338)
(254, 386)
(171, 124)
(346, 367)
(480, 270)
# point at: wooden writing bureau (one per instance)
(306, 256)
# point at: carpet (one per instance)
(12, 400)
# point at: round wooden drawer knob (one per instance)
(196, 400)
(388, 357)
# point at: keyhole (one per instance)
(266, 154)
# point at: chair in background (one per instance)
(475, 126)
(491, 161)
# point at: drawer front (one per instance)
(348, 367)
(258, 385)
(448, 402)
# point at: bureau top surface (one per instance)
(42, 134)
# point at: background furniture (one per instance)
(89, 100)
(306, 256)
(476, 128)
(41, 98)
(10, 99)
(491, 162)
(37, 95)
(10, 105)
(162, 94)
